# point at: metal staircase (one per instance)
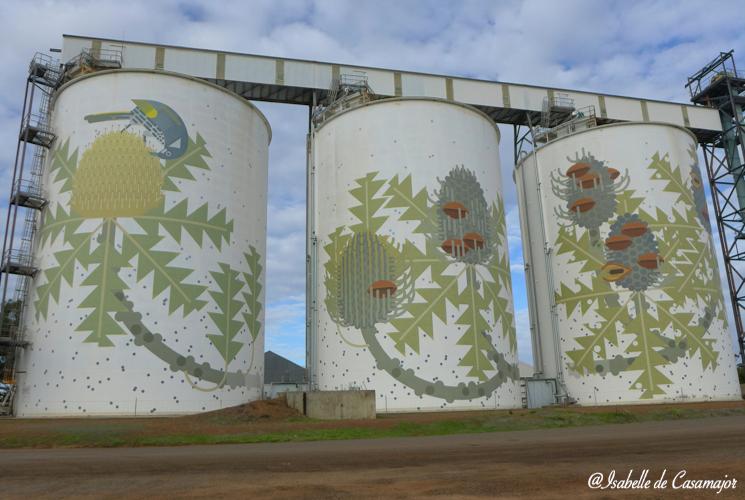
(25, 203)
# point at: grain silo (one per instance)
(623, 282)
(410, 267)
(151, 252)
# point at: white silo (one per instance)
(625, 292)
(149, 299)
(412, 287)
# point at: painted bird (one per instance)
(159, 120)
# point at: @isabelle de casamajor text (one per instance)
(642, 480)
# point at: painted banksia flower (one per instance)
(118, 176)
(632, 254)
(367, 281)
(589, 189)
(463, 217)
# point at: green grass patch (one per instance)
(104, 434)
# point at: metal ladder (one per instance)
(523, 393)
(26, 202)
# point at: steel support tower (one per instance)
(717, 85)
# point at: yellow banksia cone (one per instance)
(117, 177)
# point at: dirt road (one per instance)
(528, 464)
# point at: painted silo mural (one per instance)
(630, 293)
(152, 251)
(413, 289)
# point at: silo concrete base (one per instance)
(333, 405)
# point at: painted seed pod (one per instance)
(632, 257)
(473, 240)
(649, 260)
(588, 181)
(582, 205)
(455, 210)
(578, 170)
(455, 247)
(618, 242)
(382, 289)
(613, 271)
(634, 229)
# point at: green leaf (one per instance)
(693, 334)
(197, 223)
(63, 165)
(165, 277)
(422, 314)
(593, 346)
(416, 206)
(581, 249)
(252, 296)
(194, 157)
(627, 203)
(675, 183)
(689, 265)
(369, 204)
(671, 226)
(475, 334)
(585, 297)
(56, 222)
(64, 270)
(498, 214)
(646, 347)
(684, 271)
(501, 310)
(418, 261)
(106, 286)
(225, 298)
(498, 223)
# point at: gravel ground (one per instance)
(550, 463)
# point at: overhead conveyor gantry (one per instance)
(296, 81)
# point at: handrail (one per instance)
(18, 256)
(97, 57)
(28, 187)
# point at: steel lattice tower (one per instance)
(718, 85)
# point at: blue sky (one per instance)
(644, 49)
